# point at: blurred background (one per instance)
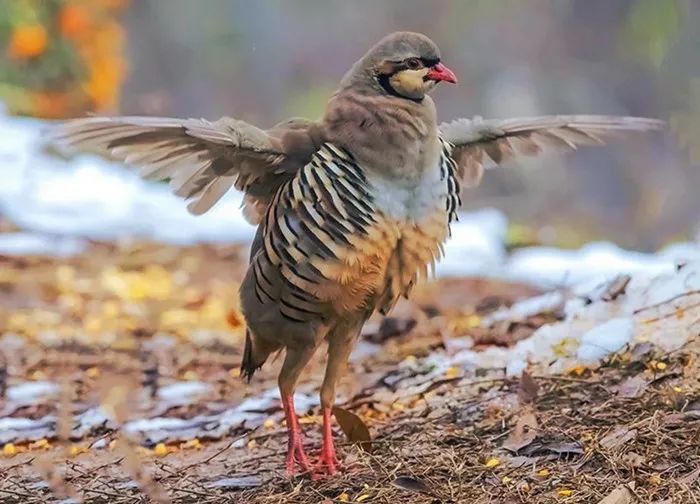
(263, 61)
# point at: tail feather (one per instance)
(248, 367)
(255, 355)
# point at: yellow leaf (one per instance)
(452, 372)
(92, 372)
(192, 443)
(9, 450)
(565, 492)
(39, 444)
(492, 462)
(252, 444)
(543, 473)
(190, 375)
(76, 450)
(344, 497)
(160, 450)
(661, 366)
(506, 480)
(269, 423)
(235, 372)
(362, 498)
(577, 370)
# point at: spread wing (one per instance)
(201, 159)
(480, 143)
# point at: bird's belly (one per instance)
(406, 239)
(377, 269)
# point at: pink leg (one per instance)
(295, 450)
(327, 461)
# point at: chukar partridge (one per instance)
(351, 210)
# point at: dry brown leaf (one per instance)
(412, 485)
(632, 387)
(691, 477)
(354, 428)
(523, 434)
(618, 437)
(616, 287)
(527, 388)
(559, 448)
(621, 495)
(633, 459)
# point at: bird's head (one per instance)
(403, 64)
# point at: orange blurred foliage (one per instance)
(27, 41)
(76, 49)
(51, 104)
(74, 22)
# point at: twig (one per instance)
(669, 300)
(672, 314)
(19, 464)
(222, 450)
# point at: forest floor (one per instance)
(151, 336)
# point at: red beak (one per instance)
(440, 72)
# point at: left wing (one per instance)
(480, 143)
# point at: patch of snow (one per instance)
(606, 338)
(183, 392)
(29, 243)
(32, 392)
(521, 310)
(663, 309)
(477, 244)
(599, 261)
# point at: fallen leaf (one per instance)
(391, 327)
(618, 437)
(633, 459)
(632, 387)
(616, 287)
(354, 428)
(560, 448)
(527, 388)
(516, 462)
(492, 462)
(237, 482)
(621, 495)
(523, 434)
(690, 478)
(412, 485)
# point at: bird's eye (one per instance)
(414, 63)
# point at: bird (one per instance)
(351, 209)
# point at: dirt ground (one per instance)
(119, 323)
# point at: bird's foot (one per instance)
(297, 455)
(327, 464)
(295, 448)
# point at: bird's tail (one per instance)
(254, 355)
